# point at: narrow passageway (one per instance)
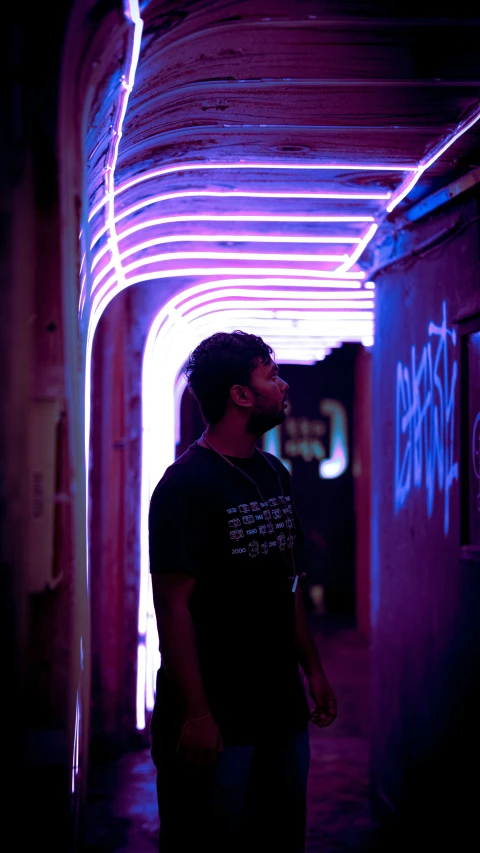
(339, 816)
(121, 810)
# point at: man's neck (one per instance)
(230, 441)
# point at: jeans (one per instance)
(253, 800)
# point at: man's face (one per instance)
(270, 395)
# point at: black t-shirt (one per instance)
(208, 520)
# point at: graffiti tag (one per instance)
(424, 422)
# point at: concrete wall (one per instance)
(425, 593)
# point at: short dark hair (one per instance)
(220, 361)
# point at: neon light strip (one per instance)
(336, 196)
(103, 299)
(75, 765)
(249, 291)
(222, 256)
(276, 300)
(250, 238)
(235, 256)
(142, 677)
(234, 271)
(83, 293)
(241, 238)
(329, 315)
(273, 326)
(97, 310)
(191, 167)
(353, 258)
(180, 386)
(424, 165)
(284, 285)
(331, 275)
(281, 329)
(99, 305)
(219, 238)
(131, 11)
(324, 300)
(152, 659)
(248, 217)
(281, 289)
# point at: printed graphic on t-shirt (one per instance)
(255, 529)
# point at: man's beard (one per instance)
(261, 420)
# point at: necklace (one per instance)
(244, 474)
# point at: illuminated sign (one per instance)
(305, 440)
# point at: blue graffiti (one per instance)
(425, 416)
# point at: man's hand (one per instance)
(325, 709)
(200, 743)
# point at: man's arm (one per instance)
(325, 709)
(176, 633)
(200, 739)
(308, 654)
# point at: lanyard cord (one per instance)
(253, 483)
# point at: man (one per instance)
(230, 725)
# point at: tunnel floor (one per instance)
(121, 815)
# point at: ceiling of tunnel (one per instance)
(267, 145)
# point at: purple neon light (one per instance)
(238, 218)
(103, 300)
(304, 298)
(289, 310)
(132, 12)
(275, 295)
(318, 322)
(249, 298)
(241, 238)
(190, 167)
(361, 196)
(75, 764)
(331, 316)
(353, 258)
(234, 271)
(294, 220)
(425, 164)
(83, 291)
(219, 238)
(229, 256)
